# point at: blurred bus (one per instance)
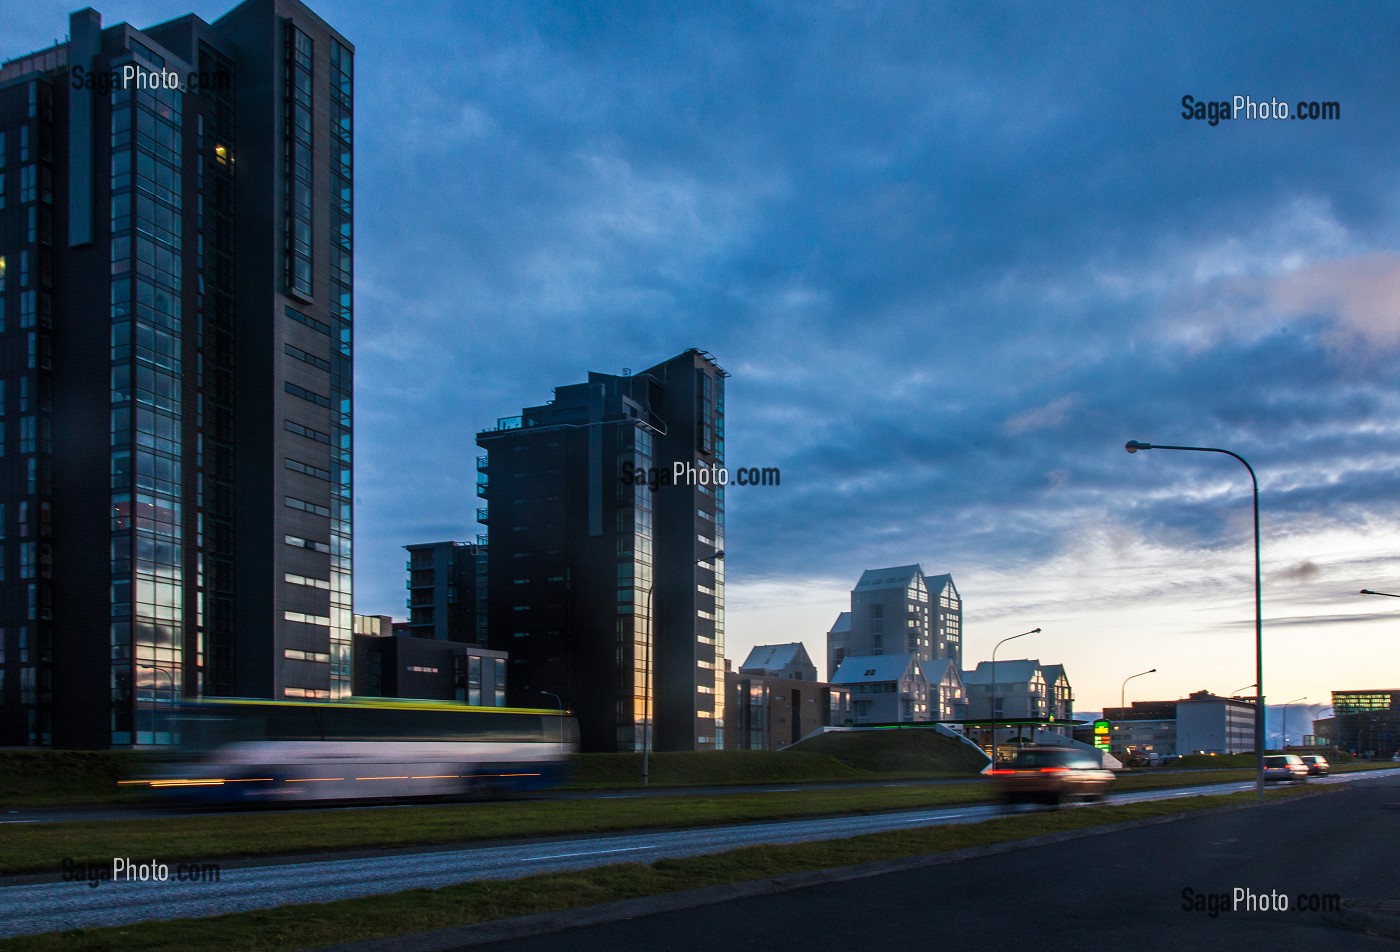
(237, 750)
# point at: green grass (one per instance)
(69, 777)
(296, 927)
(43, 847)
(896, 751)
(720, 767)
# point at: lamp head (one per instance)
(1132, 446)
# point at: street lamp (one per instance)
(1285, 720)
(155, 707)
(560, 702)
(714, 556)
(1367, 591)
(1132, 446)
(1033, 631)
(1122, 689)
(1236, 691)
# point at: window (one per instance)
(304, 506)
(300, 543)
(307, 581)
(297, 466)
(306, 619)
(306, 431)
(320, 657)
(305, 394)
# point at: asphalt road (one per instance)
(1122, 890)
(52, 905)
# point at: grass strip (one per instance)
(298, 927)
(42, 848)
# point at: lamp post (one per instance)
(1285, 720)
(714, 556)
(155, 708)
(1033, 631)
(1367, 591)
(1122, 689)
(1236, 691)
(560, 701)
(1132, 446)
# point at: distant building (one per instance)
(447, 591)
(947, 697)
(378, 625)
(1367, 722)
(1024, 688)
(899, 610)
(408, 667)
(603, 581)
(885, 689)
(1210, 724)
(838, 642)
(1145, 727)
(789, 661)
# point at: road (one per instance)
(1117, 890)
(48, 906)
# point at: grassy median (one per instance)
(43, 847)
(298, 927)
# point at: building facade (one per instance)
(1023, 689)
(1367, 722)
(885, 689)
(176, 212)
(447, 591)
(1207, 723)
(605, 579)
(899, 610)
(406, 666)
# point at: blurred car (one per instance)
(1286, 767)
(1052, 775)
(1316, 764)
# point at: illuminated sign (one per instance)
(1101, 732)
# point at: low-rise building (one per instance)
(1367, 722)
(407, 667)
(774, 699)
(885, 689)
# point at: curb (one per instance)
(456, 937)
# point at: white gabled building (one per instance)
(885, 689)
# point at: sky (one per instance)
(954, 256)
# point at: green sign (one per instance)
(1101, 734)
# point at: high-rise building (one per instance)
(596, 554)
(445, 601)
(175, 371)
(899, 610)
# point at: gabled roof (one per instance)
(1020, 669)
(1053, 673)
(897, 577)
(842, 625)
(867, 669)
(777, 657)
(936, 583)
(936, 670)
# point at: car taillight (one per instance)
(1054, 770)
(1001, 773)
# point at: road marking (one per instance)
(625, 849)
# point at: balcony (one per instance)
(481, 515)
(481, 464)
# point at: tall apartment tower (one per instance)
(588, 564)
(175, 371)
(899, 610)
(447, 591)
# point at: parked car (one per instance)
(1287, 767)
(1317, 765)
(1052, 775)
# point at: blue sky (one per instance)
(954, 257)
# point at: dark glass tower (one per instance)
(175, 365)
(585, 561)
